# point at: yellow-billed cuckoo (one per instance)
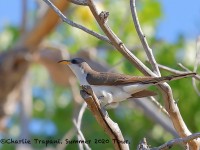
(111, 88)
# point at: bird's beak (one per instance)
(65, 62)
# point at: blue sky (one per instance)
(180, 17)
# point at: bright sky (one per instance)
(180, 17)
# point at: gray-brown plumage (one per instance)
(115, 87)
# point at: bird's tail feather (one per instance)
(158, 80)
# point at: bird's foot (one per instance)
(87, 89)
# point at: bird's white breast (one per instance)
(110, 94)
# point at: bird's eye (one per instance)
(74, 61)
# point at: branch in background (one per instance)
(178, 72)
(77, 124)
(178, 141)
(15, 62)
(77, 101)
(79, 2)
(25, 104)
(68, 135)
(142, 37)
(79, 120)
(196, 64)
(24, 16)
(110, 127)
(81, 137)
(159, 105)
(193, 80)
(43, 27)
(73, 24)
(197, 58)
(154, 113)
(171, 70)
(183, 67)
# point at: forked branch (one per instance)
(110, 127)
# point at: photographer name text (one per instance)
(47, 142)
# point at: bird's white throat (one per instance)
(79, 73)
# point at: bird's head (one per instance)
(79, 67)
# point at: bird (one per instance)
(112, 88)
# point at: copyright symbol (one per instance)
(3, 141)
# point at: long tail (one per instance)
(158, 80)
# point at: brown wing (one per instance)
(104, 78)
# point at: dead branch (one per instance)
(110, 127)
(178, 72)
(68, 135)
(73, 24)
(43, 27)
(196, 64)
(142, 37)
(24, 17)
(79, 2)
(143, 145)
(178, 141)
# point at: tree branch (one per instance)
(142, 37)
(110, 127)
(73, 24)
(178, 72)
(178, 141)
(79, 2)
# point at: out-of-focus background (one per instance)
(39, 98)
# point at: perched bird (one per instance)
(111, 88)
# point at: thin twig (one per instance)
(178, 141)
(77, 124)
(197, 58)
(142, 37)
(187, 70)
(68, 135)
(80, 115)
(73, 24)
(174, 71)
(196, 63)
(81, 135)
(79, 120)
(171, 70)
(110, 127)
(183, 67)
(178, 72)
(159, 105)
(24, 17)
(79, 2)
